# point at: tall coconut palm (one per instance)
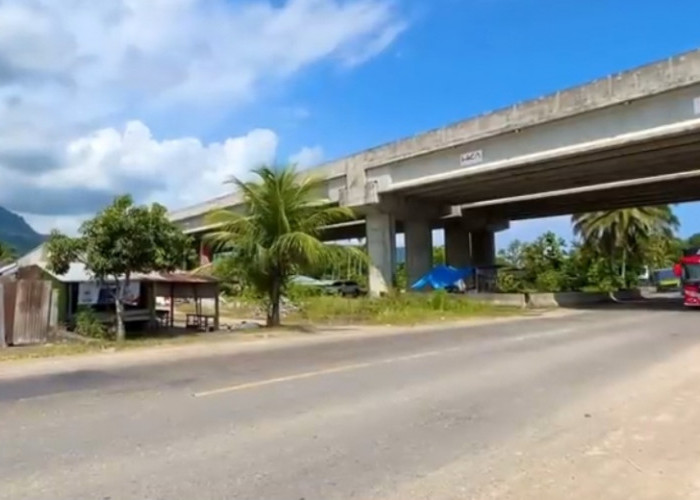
(623, 232)
(277, 234)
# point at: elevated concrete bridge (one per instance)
(625, 140)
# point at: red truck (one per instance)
(688, 270)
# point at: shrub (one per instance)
(87, 325)
(507, 282)
(549, 281)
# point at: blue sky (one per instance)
(461, 58)
(167, 99)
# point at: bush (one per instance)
(549, 281)
(87, 325)
(507, 282)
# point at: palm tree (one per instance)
(278, 232)
(624, 232)
(7, 253)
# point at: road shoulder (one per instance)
(255, 343)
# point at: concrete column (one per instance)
(419, 248)
(483, 244)
(381, 246)
(457, 250)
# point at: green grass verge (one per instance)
(404, 309)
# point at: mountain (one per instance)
(15, 231)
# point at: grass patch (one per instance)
(404, 309)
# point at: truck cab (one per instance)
(688, 270)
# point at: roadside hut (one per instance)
(149, 299)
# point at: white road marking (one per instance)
(369, 364)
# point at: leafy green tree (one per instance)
(7, 253)
(512, 256)
(543, 262)
(660, 251)
(622, 234)
(278, 232)
(439, 256)
(119, 241)
(587, 269)
(694, 240)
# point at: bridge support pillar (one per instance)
(483, 248)
(457, 248)
(381, 247)
(419, 248)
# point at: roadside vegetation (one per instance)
(304, 306)
(7, 253)
(278, 234)
(395, 309)
(611, 252)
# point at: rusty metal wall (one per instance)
(32, 308)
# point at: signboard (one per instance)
(92, 293)
(471, 158)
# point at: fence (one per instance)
(27, 312)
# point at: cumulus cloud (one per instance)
(174, 172)
(95, 167)
(74, 72)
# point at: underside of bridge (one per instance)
(627, 174)
(675, 154)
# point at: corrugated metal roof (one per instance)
(77, 273)
(177, 277)
(8, 269)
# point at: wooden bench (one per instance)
(203, 322)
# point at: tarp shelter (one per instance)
(442, 277)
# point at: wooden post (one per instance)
(3, 342)
(151, 288)
(172, 305)
(216, 307)
(53, 313)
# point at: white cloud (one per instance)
(73, 72)
(307, 157)
(173, 172)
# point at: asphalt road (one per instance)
(355, 418)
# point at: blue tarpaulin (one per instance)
(441, 277)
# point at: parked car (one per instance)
(345, 289)
(666, 280)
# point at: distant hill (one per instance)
(15, 231)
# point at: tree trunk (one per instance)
(623, 272)
(273, 310)
(119, 309)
